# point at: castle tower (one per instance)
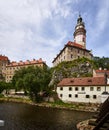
(80, 33)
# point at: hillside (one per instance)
(77, 68)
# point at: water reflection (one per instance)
(19, 116)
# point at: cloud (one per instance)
(39, 29)
(96, 20)
(102, 17)
(32, 28)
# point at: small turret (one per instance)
(79, 20)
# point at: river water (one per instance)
(18, 116)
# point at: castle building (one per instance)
(76, 49)
(3, 62)
(14, 66)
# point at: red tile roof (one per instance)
(87, 81)
(71, 44)
(27, 62)
(75, 44)
(102, 72)
(4, 58)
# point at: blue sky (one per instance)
(40, 28)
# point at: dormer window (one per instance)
(71, 81)
(89, 80)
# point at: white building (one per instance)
(87, 90)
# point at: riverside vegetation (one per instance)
(39, 82)
(57, 104)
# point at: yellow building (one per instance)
(13, 66)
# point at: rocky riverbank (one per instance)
(56, 104)
(84, 125)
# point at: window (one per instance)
(94, 96)
(70, 88)
(76, 89)
(82, 88)
(98, 88)
(61, 95)
(87, 96)
(83, 39)
(71, 56)
(61, 88)
(70, 95)
(76, 95)
(91, 88)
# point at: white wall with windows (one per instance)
(107, 80)
(86, 94)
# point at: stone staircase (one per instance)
(101, 121)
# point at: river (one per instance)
(18, 116)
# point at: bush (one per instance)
(1, 95)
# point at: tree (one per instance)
(32, 80)
(5, 86)
(101, 62)
(2, 86)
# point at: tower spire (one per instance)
(79, 14)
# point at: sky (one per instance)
(33, 29)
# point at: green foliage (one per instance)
(2, 86)
(81, 67)
(101, 62)
(1, 95)
(70, 64)
(5, 86)
(32, 80)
